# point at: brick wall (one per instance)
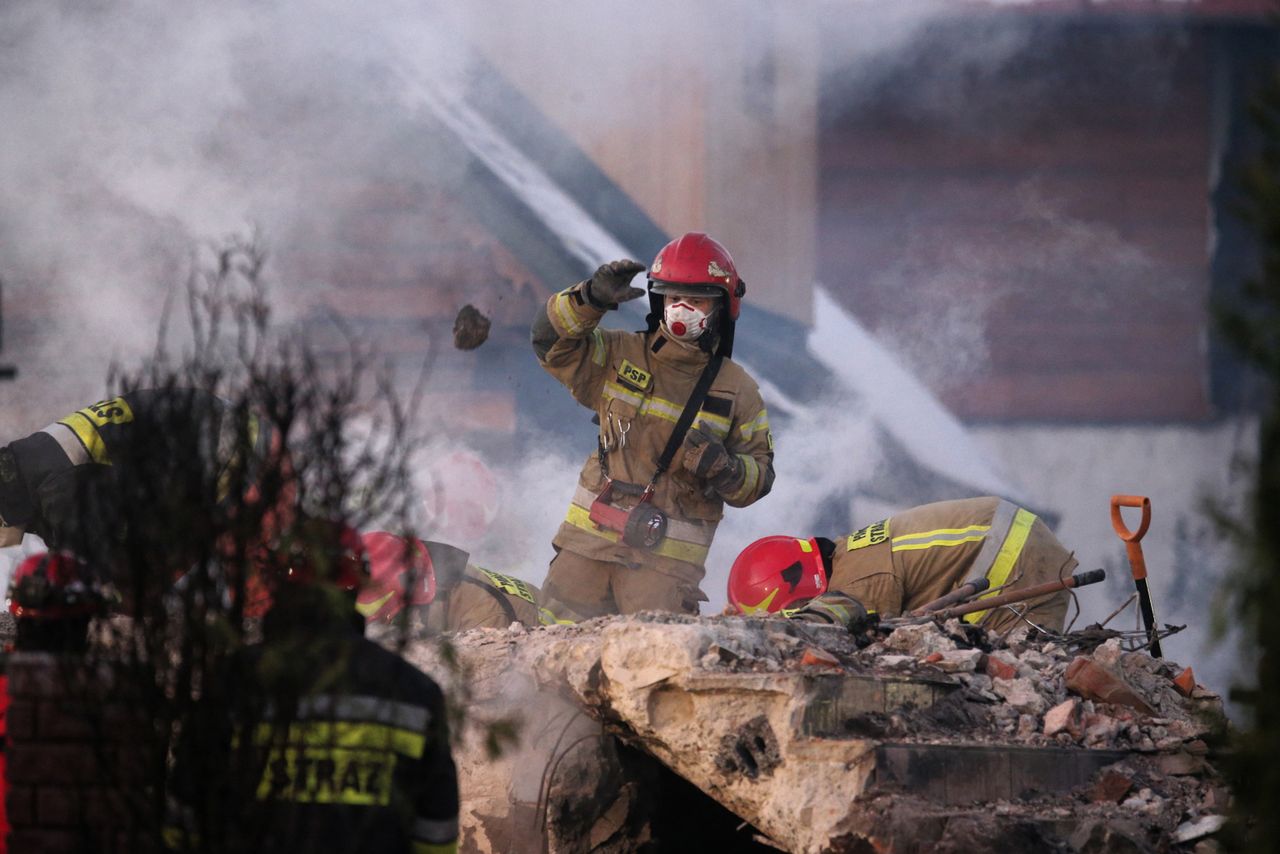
(1032, 228)
(76, 761)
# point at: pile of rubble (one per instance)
(1071, 691)
(931, 738)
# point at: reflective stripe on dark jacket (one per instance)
(52, 479)
(337, 745)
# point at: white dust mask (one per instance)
(684, 322)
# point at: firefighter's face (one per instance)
(702, 304)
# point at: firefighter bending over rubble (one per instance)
(444, 592)
(906, 561)
(63, 482)
(683, 430)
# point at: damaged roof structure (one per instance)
(576, 217)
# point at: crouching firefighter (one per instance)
(907, 561)
(319, 739)
(683, 430)
(444, 592)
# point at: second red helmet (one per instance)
(774, 573)
(402, 573)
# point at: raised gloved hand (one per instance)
(705, 457)
(611, 284)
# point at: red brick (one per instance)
(21, 720)
(36, 675)
(814, 657)
(68, 719)
(33, 762)
(20, 804)
(1091, 680)
(108, 806)
(48, 842)
(998, 669)
(1110, 787)
(1185, 682)
(59, 806)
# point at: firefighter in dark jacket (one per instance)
(636, 538)
(337, 744)
(64, 483)
(445, 593)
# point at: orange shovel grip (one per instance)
(1117, 521)
(1132, 539)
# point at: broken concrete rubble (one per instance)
(818, 745)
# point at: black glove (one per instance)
(706, 458)
(611, 284)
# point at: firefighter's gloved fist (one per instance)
(707, 458)
(611, 284)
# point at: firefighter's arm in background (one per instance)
(566, 338)
(740, 469)
(879, 592)
(434, 787)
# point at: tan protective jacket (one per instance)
(638, 384)
(916, 556)
(483, 599)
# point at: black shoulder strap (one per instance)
(691, 408)
(501, 598)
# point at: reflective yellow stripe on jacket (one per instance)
(85, 423)
(580, 517)
(942, 537)
(443, 848)
(667, 410)
(1010, 551)
(751, 476)
(563, 306)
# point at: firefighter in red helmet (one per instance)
(444, 592)
(53, 597)
(683, 429)
(906, 561)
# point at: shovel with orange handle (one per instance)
(1133, 545)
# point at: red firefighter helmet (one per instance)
(395, 564)
(775, 573)
(696, 264)
(313, 551)
(54, 586)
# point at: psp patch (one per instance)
(637, 378)
(871, 535)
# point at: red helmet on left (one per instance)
(402, 573)
(313, 551)
(55, 586)
(774, 573)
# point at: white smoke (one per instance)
(137, 129)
